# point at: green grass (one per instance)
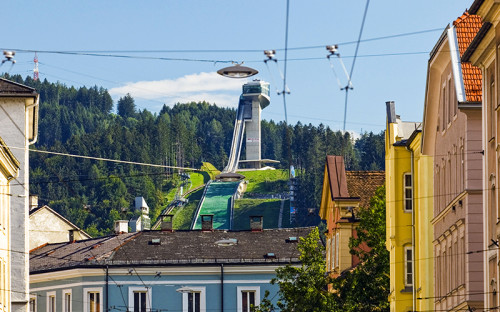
(171, 194)
(266, 181)
(197, 179)
(268, 208)
(184, 215)
(210, 169)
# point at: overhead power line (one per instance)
(349, 86)
(103, 159)
(322, 46)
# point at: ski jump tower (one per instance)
(254, 98)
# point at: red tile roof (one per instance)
(467, 27)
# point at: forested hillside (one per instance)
(94, 193)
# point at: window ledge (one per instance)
(407, 289)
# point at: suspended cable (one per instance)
(103, 159)
(354, 61)
(287, 137)
(75, 52)
(126, 56)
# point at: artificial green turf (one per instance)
(218, 203)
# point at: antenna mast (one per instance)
(35, 70)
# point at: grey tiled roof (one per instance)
(170, 248)
(11, 88)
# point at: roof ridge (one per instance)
(461, 18)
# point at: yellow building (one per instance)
(9, 167)
(409, 189)
(344, 193)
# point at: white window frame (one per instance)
(64, 293)
(328, 253)
(132, 290)
(408, 263)
(336, 264)
(239, 300)
(34, 298)
(332, 253)
(50, 294)
(86, 302)
(405, 188)
(203, 303)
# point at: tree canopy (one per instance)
(81, 121)
(364, 288)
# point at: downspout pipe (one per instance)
(222, 287)
(106, 304)
(35, 123)
(412, 172)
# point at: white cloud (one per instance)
(209, 87)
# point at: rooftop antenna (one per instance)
(333, 49)
(35, 69)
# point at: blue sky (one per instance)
(218, 31)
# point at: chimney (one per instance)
(121, 226)
(33, 202)
(71, 236)
(256, 223)
(391, 111)
(167, 223)
(207, 222)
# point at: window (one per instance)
(139, 299)
(248, 296)
(444, 111)
(408, 192)
(408, 266)
(328, 253)
(490, 99)
(67, 306)
(451, 101)
(247, 300)
(194, 301)
(337, 242)
(92, 299)
(32, 303)
(332, 252)
(51, 301)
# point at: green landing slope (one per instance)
(217, 202)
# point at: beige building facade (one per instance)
(452, 136)
(46, 226)
(9, 169)
(484, 52)
(19, 120)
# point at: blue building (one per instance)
(155, 271)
